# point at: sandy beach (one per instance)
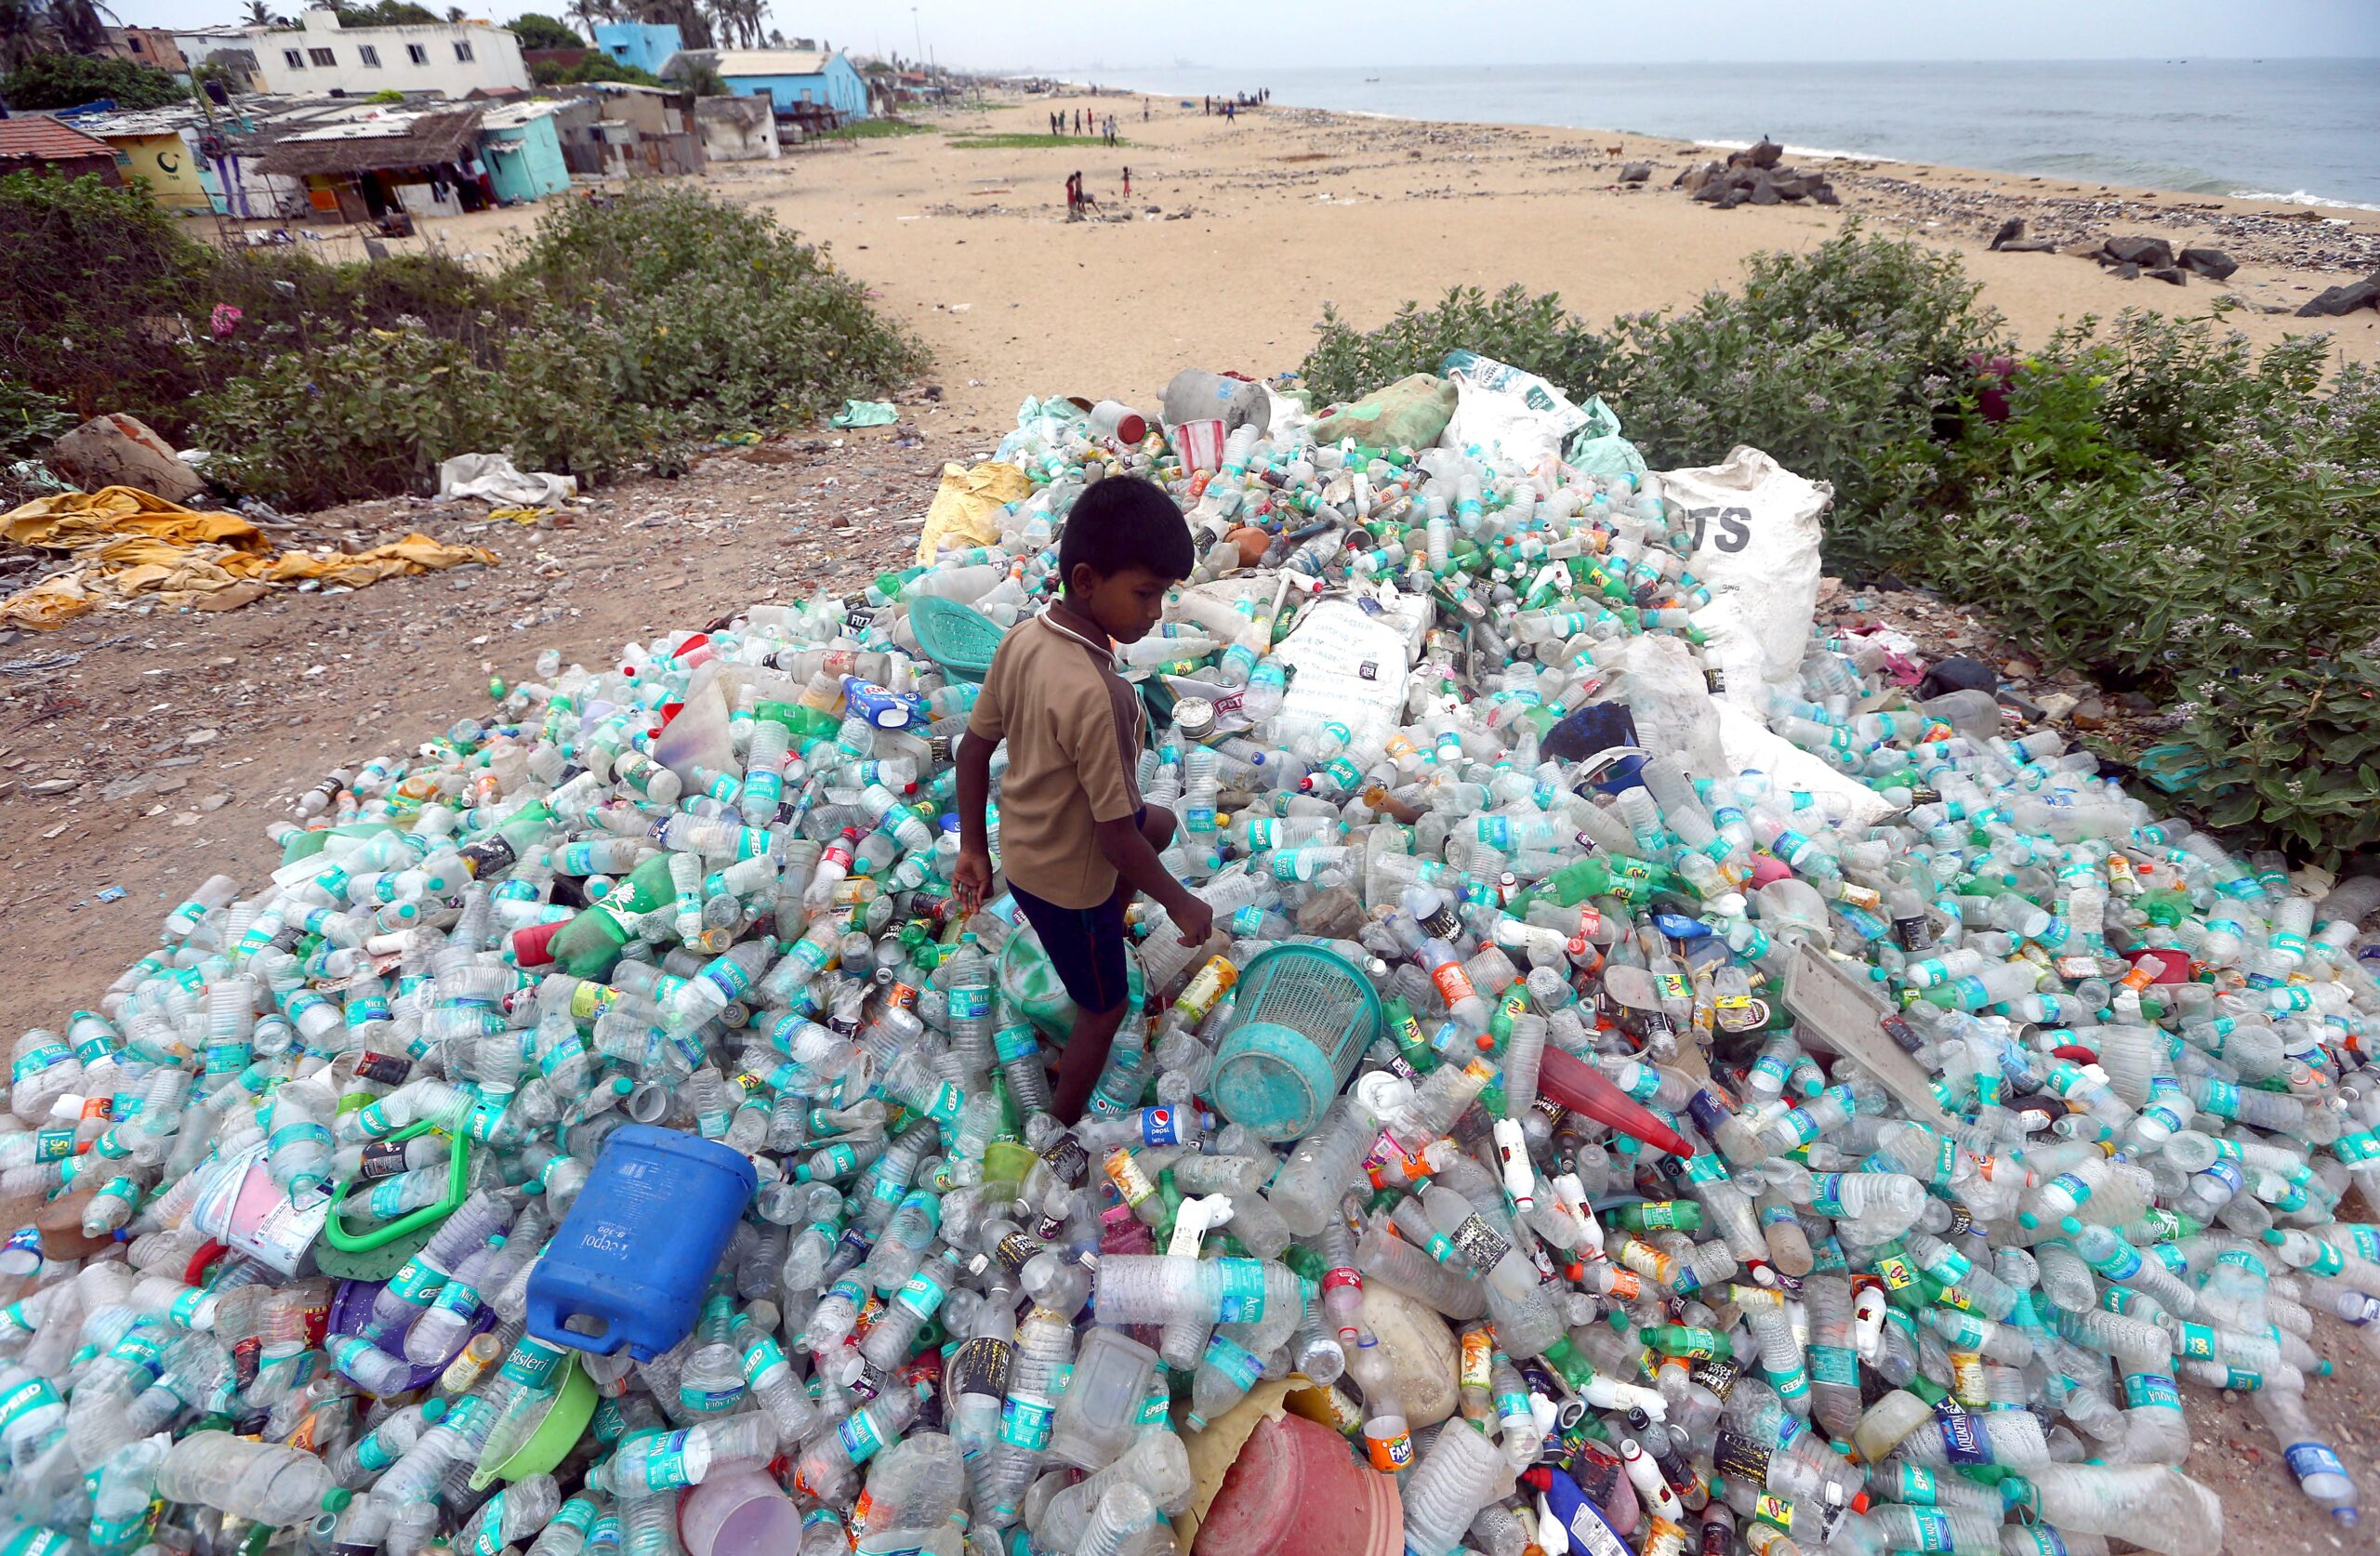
(1237, 233)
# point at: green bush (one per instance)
(597, 66)
(71, 80)
(723, 311)
(93, 270)
(616, 330)
(1511, 326)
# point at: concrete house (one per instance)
(647, 45)
(795, 79)
(454, 60)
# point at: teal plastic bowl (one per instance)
(1305, 1016)
(1272, 1080)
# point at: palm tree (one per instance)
(589, 13)
(259, 14)
(31, 27)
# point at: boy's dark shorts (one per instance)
(1086, 946)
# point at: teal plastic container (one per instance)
(1304, 1016)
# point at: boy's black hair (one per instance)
(1126, 521)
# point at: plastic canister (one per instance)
(629, 1265)
(1100, 1413)
(1295, 1487)
(738, 1510)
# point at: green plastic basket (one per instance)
(959, 638)
(1303, 1016)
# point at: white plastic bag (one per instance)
(1755, 527)
(493, 477)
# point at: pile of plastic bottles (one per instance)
(645, 997)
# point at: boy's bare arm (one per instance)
(1121, 841)
(971, 876)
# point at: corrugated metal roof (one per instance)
(514, 114)
(37, 138)
(770, 61)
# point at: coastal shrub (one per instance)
(722, 311)
(1842, 362)
(615, 332)
(1512, 326)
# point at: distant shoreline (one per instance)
(2214, 186)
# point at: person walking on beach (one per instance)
(1127, 181)
(1078, 121)
(1074, 196)
(1145, 110)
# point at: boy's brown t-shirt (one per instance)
(1073, 727)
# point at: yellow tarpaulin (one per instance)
(126, 542)
(970, 504)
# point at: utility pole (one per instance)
(916, 30)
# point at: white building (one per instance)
(453, 57)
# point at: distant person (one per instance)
(1206, 106)
(1231, 112)
(1078, 121)
(1145, 110)
(1077, 843)
(1127, 181)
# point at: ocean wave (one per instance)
(1791, 149)
(2299, 197)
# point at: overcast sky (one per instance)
(1078, 35)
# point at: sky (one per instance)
(1078, 36)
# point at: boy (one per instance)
(1076, 841)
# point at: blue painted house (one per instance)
(521, 147)
(791, 77)
(647, 45)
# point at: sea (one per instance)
(2303, 131)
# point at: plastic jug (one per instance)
(738, 1510)
(1295, 1487)
(628, 1264)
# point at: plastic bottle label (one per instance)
(970, 1004)
(1834, 1365)
(1453, 983)
(1243, 1291)
(1931, 1531)
(1024, 1423)
(1480, 1243)
(2308, 1459)
(2149, 1390)
(1963, 1440)
(1234, 1361)
(418, 1282)
(40, 1059)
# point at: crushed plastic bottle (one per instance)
(1858, 1151)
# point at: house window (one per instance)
(134, 41)
(417, 54)
(463, 53)
(323, 56)
(296, 60)
(371, 56)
